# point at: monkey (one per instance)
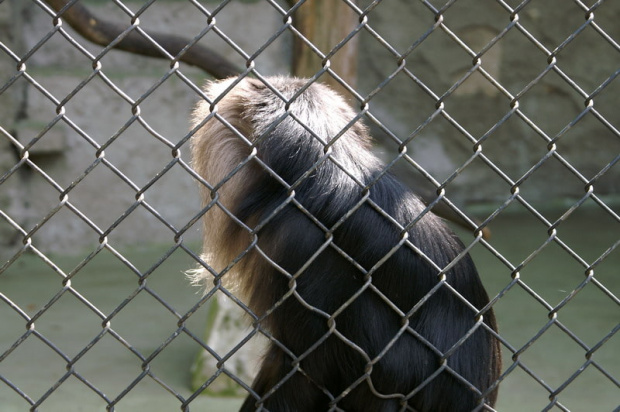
(369, 301)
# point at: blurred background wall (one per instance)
(551, 107)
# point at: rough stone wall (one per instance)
(477, 105)
(139, 153)
(11, 111)
(101, 114)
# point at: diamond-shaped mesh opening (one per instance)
(572, 61)
(23, 362)
(602, 137)
(110, 348)
(50, 323)
(99, 131)
(500, 115)
(69, 388)
(579, 390)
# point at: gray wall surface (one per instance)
(33, 100)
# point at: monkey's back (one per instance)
(367, 297)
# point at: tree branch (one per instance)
(103, 32)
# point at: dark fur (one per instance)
(304, 297)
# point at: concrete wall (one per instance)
(96, 113)
(477, 105)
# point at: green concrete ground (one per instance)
(144, 324)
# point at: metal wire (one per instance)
(397, 67)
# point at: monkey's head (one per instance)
(245, 118)
(246, 128)
(255, 107)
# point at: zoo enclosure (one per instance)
(496, 103)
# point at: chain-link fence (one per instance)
(501, 115)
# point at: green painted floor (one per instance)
(52, 355)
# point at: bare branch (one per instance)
(103, 32)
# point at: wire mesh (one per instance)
(103, 225)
